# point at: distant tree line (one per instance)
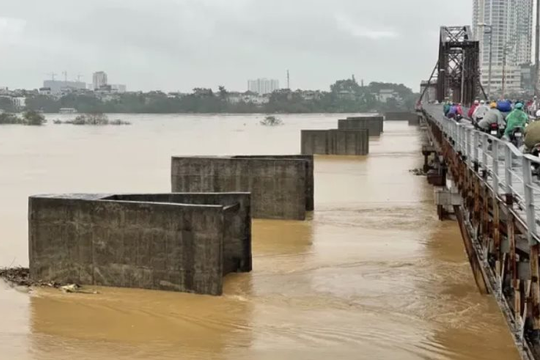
(344, 96)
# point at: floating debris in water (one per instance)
(418, 172)
(271, 121)
(20, 276)
(76, 288)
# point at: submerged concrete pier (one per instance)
(177, 242)
(412, 117)
(281, 186)
(335, 142)
(373, 123)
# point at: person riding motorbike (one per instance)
(456, 112)
(459, 110)
(493, 116)
(480, 112)
(452, 112)
(516, 119)
(472, 109)
(446, 107)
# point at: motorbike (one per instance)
(535, 151)
(475, 121)
(494, 130)
(516, 137)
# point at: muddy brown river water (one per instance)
(371, 275)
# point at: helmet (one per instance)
(476, 102)
(493, 105)
(519, 106)
(482, 102)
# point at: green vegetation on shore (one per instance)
(344, 96)
(92, 119)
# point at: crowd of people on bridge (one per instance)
(507, 118)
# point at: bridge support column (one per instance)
(504, 257)
(535, 290)
(447, 197)
(500, 258)
(515, 283)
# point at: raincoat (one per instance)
(517, 118)
(452, 112)
(493, 116)
(504, 106)
(446, 108)
(472, 109)
(480, 112)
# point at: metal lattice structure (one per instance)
(458, 76)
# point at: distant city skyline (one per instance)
(100, 79)
(509, 26)
(56, 86)
(263, 86)
(207, 43)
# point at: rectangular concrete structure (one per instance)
(176, 242)
(281, 186)
(375, 124)
(401, 116)
(335, 142)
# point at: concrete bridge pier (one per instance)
(430, 158)
(447, 198)
(184, 242)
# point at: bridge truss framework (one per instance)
(458, 66)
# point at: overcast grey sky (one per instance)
(182, 44)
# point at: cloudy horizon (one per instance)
(176, 45)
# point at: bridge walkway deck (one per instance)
(508, 170)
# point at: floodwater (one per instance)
(373, 274)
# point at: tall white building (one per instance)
(263, 86)
(99, 80)
(57, 87)
(511, 24)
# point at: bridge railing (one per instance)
(509, 171)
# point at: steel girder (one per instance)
(459, 65)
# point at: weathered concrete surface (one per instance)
(335, 142)
(281, 187)
(401, 116)
(237, 208)
(310, 180)
(178, 242)
(373, 123)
